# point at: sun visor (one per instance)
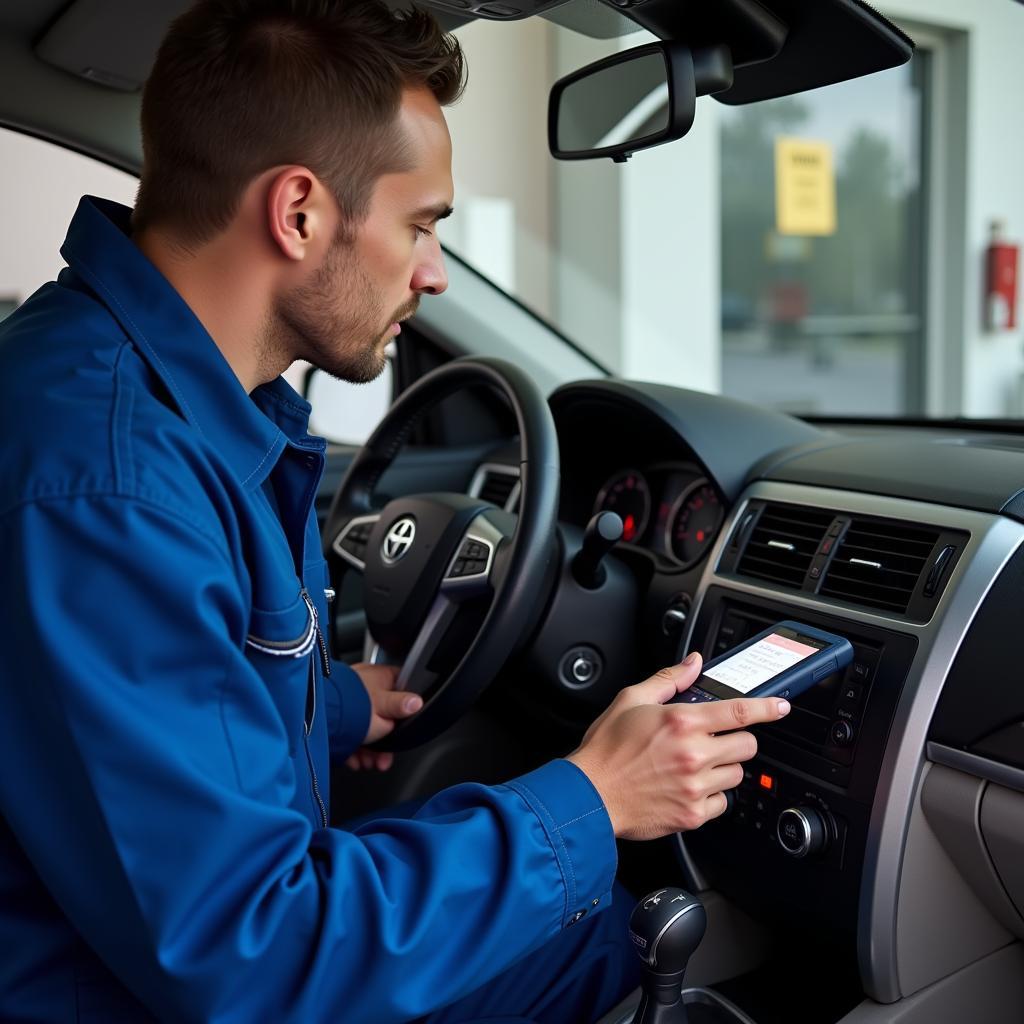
(827, 41)
(110, 42)
(491, 10)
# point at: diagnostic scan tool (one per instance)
(783, 661)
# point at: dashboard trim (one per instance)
(980, 767)
(993, 541)
(501, 469)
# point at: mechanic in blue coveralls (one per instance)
(164, 851)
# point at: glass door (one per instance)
(825, 313)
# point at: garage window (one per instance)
(822, 308)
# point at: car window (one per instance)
(343, 412)
(40, 186)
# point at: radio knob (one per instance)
(804, 831)
(730, 802)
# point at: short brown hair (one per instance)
(240, 86)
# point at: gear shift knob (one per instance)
(665, 928)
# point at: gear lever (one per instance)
(665, 927)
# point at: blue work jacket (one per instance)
(167, 716)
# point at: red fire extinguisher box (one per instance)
(1001, 268)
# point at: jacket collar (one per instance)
(250, 432)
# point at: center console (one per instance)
(803, 808)
(817, 838)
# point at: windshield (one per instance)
(724, 262)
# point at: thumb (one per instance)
(666, 682)
(396, 704)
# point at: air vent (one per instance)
(879, 562)
(783, 543)
(497, 484)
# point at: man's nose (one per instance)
(430, 276)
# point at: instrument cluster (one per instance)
(671, 509)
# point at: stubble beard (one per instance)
(336, 322)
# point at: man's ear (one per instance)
(299, 213)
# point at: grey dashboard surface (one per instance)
(985, 473)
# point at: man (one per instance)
(167, 710)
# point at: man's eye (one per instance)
(421, 232)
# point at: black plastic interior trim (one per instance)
(727, 436)
(829, 41)
(982, 694)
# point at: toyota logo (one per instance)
(398, 540)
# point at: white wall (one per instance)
(638, 268)
(40, 185)
(500, 161)
(671, 279)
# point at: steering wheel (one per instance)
(450, 582)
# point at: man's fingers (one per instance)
(731, 747)
(739, 712)
(728, 776)
(379, 760)
(397, 705)
(665, 683)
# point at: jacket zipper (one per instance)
(325, 662)
(308, 728)
(325, 659)
(311, 642)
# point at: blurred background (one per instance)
(679, 266)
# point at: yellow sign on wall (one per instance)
(805, 188)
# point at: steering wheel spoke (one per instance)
(415, 675)
(351, 540)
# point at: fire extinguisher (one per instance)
(1001, 259)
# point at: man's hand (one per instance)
(388, 706)
(663, 768)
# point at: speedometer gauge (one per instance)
(694, 522)
(627, 494)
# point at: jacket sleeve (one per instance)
(147, 776)
(348, 710)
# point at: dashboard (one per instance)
(905, 774)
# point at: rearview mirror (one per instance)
(633, 100)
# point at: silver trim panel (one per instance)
(357, 563)
(993, 540)
(980, 767)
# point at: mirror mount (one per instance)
(688, 73)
